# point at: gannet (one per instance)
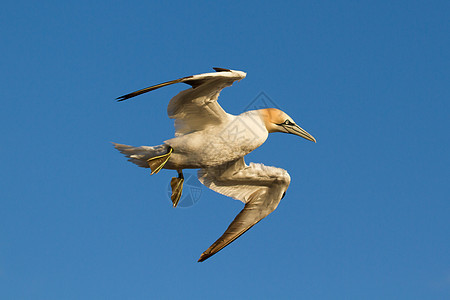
(215, 142)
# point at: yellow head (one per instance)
(278, 121)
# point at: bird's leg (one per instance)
(177, 188)
(157, 163)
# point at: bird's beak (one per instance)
(297, 130)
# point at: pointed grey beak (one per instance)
(297, 130)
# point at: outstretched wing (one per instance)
(196, 108)
(260, 187)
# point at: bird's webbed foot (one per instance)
(177, 188)
(157, 163)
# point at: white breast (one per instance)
(220, 144)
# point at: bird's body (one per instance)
(209, 139)
(216, 145)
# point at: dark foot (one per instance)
(177, 188)
(157, 163)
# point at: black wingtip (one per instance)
(203, 257)
(128, 96)
(221, 69)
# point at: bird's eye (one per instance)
(287, 122)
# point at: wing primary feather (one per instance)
(245, 220)
(191, 80)
(220, 244)
(154, 87)
(221, 69)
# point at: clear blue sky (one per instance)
(367, 212)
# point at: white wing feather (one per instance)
(197, 108)
(260, 187)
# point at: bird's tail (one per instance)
(146, 156)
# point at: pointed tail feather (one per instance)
(141, 155)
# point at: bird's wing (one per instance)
(196, 108)
(260, 187)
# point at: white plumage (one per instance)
(209, 139)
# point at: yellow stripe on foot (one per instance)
(177, 188)
(157, 163)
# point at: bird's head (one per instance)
(278, 121)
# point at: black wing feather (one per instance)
(193, 83)
(221, 69)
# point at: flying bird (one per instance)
(215, 142)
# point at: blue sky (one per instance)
(367, 212)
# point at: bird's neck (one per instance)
(266, 115)
(254, 118)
